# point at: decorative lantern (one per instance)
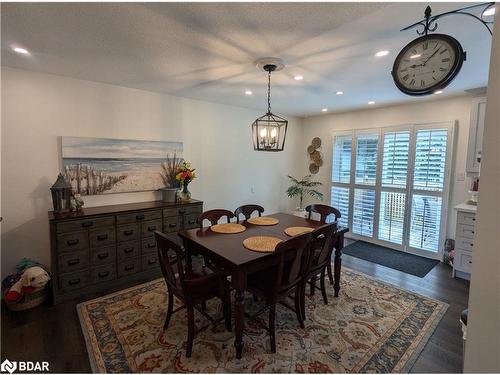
(61, 194)
(269, 131)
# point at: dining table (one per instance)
(227, 253)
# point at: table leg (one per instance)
(239, 283)
(339, 244)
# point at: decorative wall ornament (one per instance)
(315, 155)
(101, 166)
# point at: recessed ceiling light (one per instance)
(339, 93)
(298, 78)
(489, 12)
(382, 53)
(248, 92)
(415, 56)
(438, 92)
(371, 102)
(20, 50)
(324, 110)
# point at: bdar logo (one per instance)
(8, 366)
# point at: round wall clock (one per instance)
(427, 64)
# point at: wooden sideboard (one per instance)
(107, 246)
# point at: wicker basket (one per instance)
(29, 300)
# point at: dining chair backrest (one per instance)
(214, 216)
(324, 211)
(247, 210)
(173, 278)
(322, 243)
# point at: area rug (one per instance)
(372, 327)
(398, 260)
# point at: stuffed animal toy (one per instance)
(31, 278)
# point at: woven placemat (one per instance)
(228, 228)
(262, 244)
(266, 220)
(294, 231)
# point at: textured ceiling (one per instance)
(207, 50)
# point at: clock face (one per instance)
(427, 64)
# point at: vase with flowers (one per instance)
(185, 175)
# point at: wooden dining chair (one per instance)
(321, 247)
(192, 288)
(276, 283)
(247, 210)
(324, 211)
(214, 216)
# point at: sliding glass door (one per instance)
(391, 185)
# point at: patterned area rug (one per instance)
(371, 327)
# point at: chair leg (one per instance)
(170, 309)
(272, 327)
(203, 306)
(330, 274)
(303, 299)
(298, 306)
(226, 307)
(189, 345)
(323, 288)
(313, 285)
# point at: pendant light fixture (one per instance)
(269, 131)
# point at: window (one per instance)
(390, 185)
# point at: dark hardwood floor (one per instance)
(53, 333)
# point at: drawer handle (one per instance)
(470, 261)
(139, 217)
(152, 261)
(472, 244)
(87, 224)
(151, 228)
(182, 212)
(129, 268)
(151, 245)
(103, 274)
(74, 281)
(73, 262)
(103, 256)
(128, 232)
(128, 250)
(172, 225)
(472, 232)
(191, 222)
(72, 242)
(473, 219)
(102, 237)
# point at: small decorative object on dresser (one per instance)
(464, 241)
(185, 175)
(107, 247)
(61, 194)
(169, 177)
(302, 188)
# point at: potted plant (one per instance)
(302, 188)
(168, 174)
(185, 174)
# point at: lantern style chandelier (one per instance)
(269, 131)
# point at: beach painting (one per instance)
(103, 166)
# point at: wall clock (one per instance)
(428, 64)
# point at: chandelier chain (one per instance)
(269, 92)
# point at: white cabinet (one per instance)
(464, 240)
(478, 111)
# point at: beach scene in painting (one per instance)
(104, 166)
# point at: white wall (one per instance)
(37, 108)
(482, 354)
(456, 108)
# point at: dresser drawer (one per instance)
(103, 255)
(172, 224)
(130, 249)
(466, 231)
(149, 228)
(193, 209)
(190, 221)
(467, 218)
(103, 273)
(76, 225)
(148, 245)
(463, 261)
(129, 267)
(464, 243)
(102, 237)
(72, 241)
(128, 232)
(138, 217)
(73, 261)
(150, 261)
(74, 280)
(169, 212)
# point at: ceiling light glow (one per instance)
(371, 102)
(382, 53)
(339, 93)
(416, 56)
(438, 92)
(489, 12)
(248, 92)
(298, 78)
(22, 51)
(324, 110)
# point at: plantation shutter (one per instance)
(340, 200)
(425, 222)
(341, 166)
(391, 216)
(395, 159)
(430, 159)
(364, 207)
(366, 159)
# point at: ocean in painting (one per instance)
(102, 166)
